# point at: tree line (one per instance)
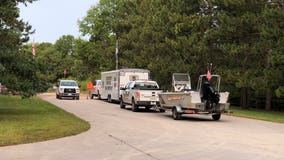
(243, 39)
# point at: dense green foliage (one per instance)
(243, 39)
(17, 68)
(33, 120)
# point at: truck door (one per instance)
(126, 93)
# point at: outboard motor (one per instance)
(209, 96)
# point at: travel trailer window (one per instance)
(114, 82)
(133, 77)
(108, 80)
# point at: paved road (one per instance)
(118, 134)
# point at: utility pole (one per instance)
(116, 54)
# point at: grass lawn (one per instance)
(271, 116)
(33, 120)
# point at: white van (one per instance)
(113, 80)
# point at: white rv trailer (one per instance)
(113, 80)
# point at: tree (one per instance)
(16, 67)
(233, 42)
(65, 48)
(99, 25)
(156, 40)
(88, 60)
(271, 42)
(243, 39)
(50, 62)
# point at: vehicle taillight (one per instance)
(138, 95)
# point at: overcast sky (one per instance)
(54, 18)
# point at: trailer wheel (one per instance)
(122, 105)
(134, 106)
(175, 114)
(216, 117)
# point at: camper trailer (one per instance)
(113, 80)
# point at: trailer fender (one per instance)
(178, 108)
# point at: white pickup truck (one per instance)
(67, 88)
(140, 93)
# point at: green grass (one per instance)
(33, 120)
(271, 116)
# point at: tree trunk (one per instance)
(268, 99)
(244, 98)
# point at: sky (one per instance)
(52, 19)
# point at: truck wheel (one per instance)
(134, 106)
(122, 105)
(175, 114)
(216, 117)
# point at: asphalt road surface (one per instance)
(118, 134)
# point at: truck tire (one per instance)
(122, 105)
(175, 114)
(216, 117)
(134, 106)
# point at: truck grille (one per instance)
(69, 90)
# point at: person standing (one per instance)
(90, 88)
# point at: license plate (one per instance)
(69, 94)
(153, 103)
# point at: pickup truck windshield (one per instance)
(145, 85)
(68, 83)
(181, 77)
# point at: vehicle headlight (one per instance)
(61, 90)
(77, 90)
